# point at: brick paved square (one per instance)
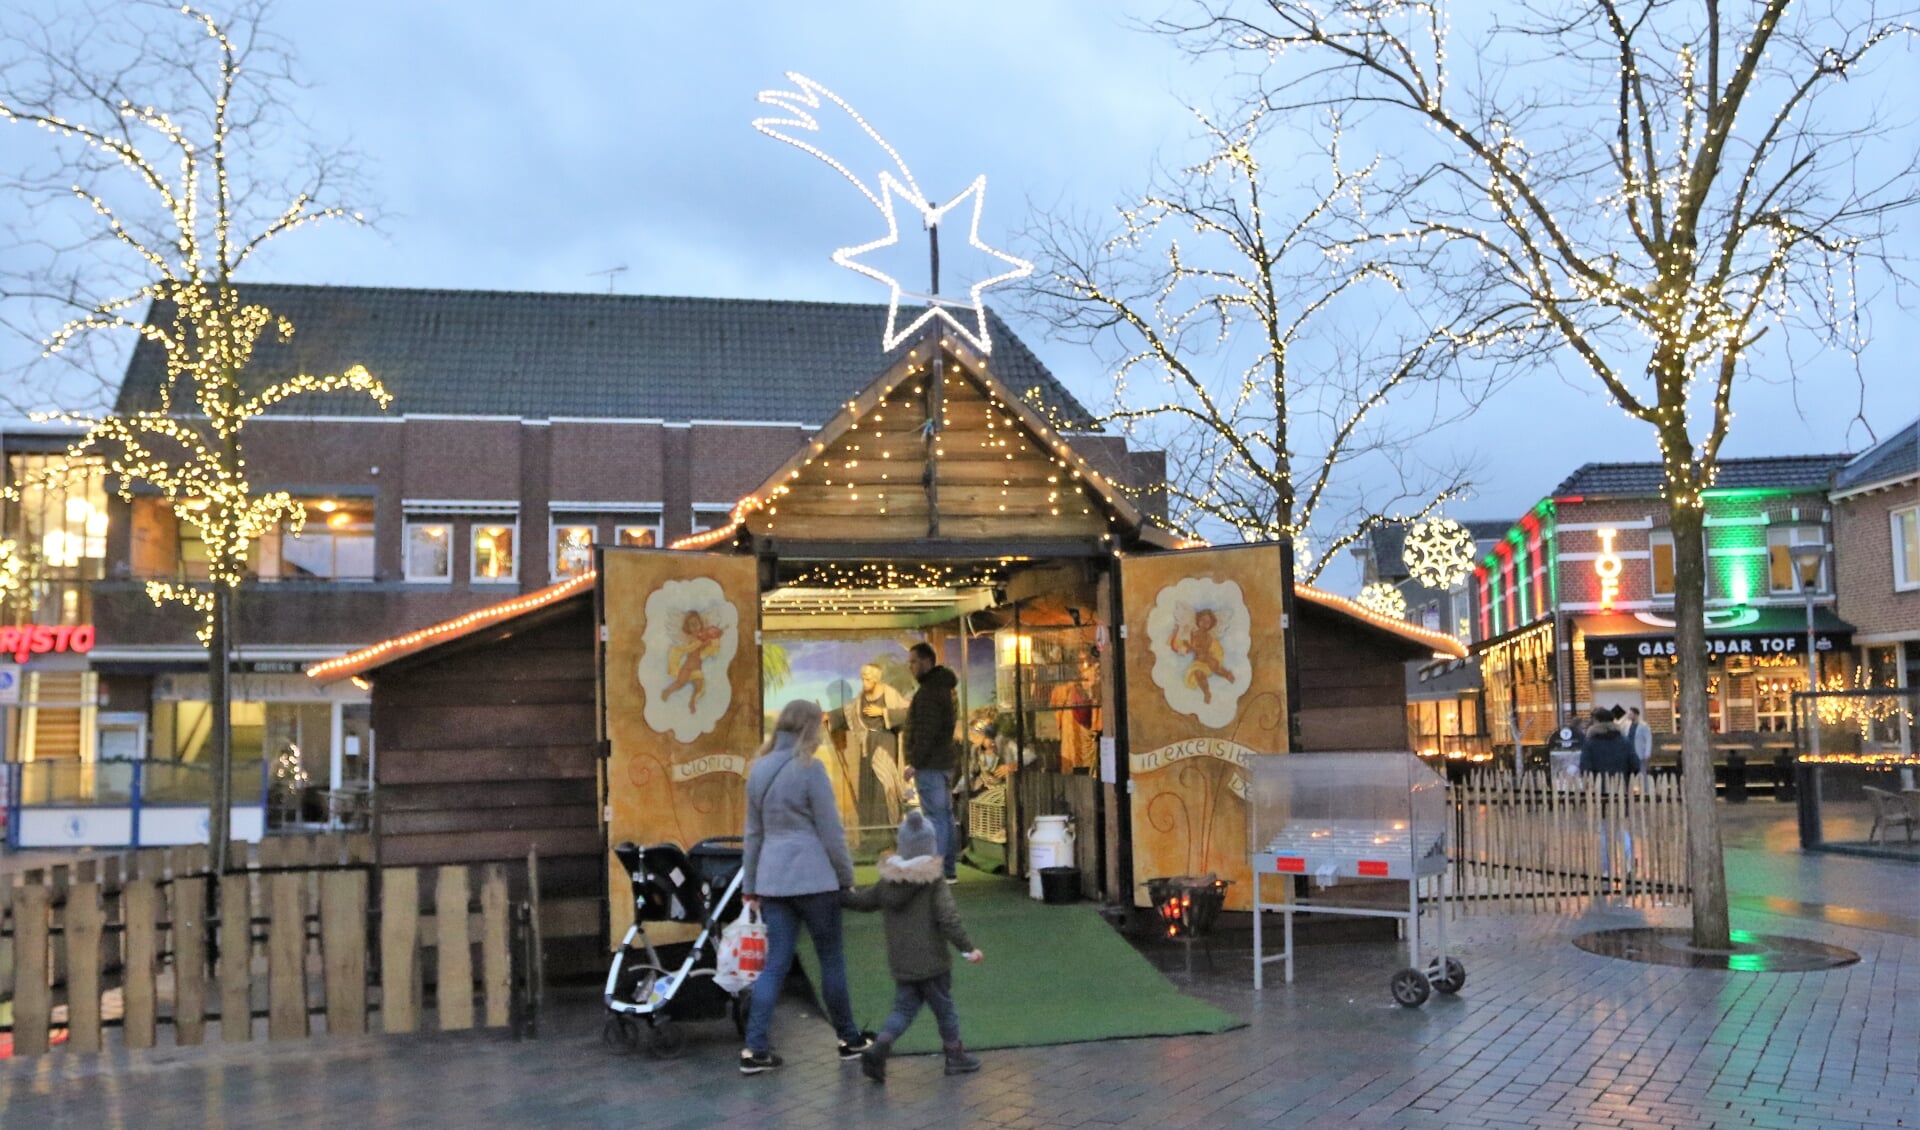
(1544, 1035)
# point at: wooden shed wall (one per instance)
(489, 751)
(1353, 683)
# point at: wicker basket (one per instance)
(987, 815)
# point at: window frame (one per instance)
(554, 526)
(321, 518)
(720, 512)
(657, 528)
(1622, 670)
(406, 551)
(1824, 585)
(479, 523)
(1658, 538)
(1910, 517)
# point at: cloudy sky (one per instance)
(533, 147)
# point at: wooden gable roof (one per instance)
(966, 461)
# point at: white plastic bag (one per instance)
(743, 951)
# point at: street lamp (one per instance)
(1807, 560)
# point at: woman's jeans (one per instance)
(820, 914)
(937, 994)
(936, 803)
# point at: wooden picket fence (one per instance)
(310, 929)
(1539, 842)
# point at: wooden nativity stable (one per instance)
(1109, 671)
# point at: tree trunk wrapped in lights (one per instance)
(1637, 188)
(169, 187)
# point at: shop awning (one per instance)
(1730, 631)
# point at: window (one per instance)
(336, 543)
(1773, 702)
(572, 554)
(644, 537)
(1783, 573)
(1605, 670)
(429, 551)
(493, 552)
(711, 518)
(1906, 548)
(1660, 545)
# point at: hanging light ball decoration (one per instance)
(1383, 600)
(1438, 552)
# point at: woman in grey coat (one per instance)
(796, 865)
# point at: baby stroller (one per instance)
(672, 983)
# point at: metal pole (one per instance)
(1813, 677)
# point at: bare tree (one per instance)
(1637, 189)
(165, 119)
(1239, 353)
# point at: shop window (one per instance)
(1783, 574)
(334, 544)
(637, 536)
(1773, 702)
(1906, 548)
(429, 551)
(494, 559)
(58, 526)
(572, 550)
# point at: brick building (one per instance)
(1876, 522)
(1574, 607)
(526, 428)
(1446, 711)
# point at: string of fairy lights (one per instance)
(189, 448)
(1699, 284)
(873, 458)
(13, 572)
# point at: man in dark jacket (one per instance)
(1608, 754)
(1605, 751)
(931, 718)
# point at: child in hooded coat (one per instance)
(921, 920)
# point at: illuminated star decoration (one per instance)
(895, 184)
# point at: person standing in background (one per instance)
(1641, 738)
(1606, 754)
(931, 718)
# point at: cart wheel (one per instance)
(1448, 977)
(667, 1040)
(742, 1001)
(1410, 988)
(620, 1034)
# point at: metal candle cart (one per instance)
(1333, 816)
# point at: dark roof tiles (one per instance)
(596, 356)
(1643, 480)
(1892, 459)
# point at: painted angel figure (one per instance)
(1194, 636)
(688, 657)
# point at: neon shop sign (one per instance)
(1607, 566)
(39, 639)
